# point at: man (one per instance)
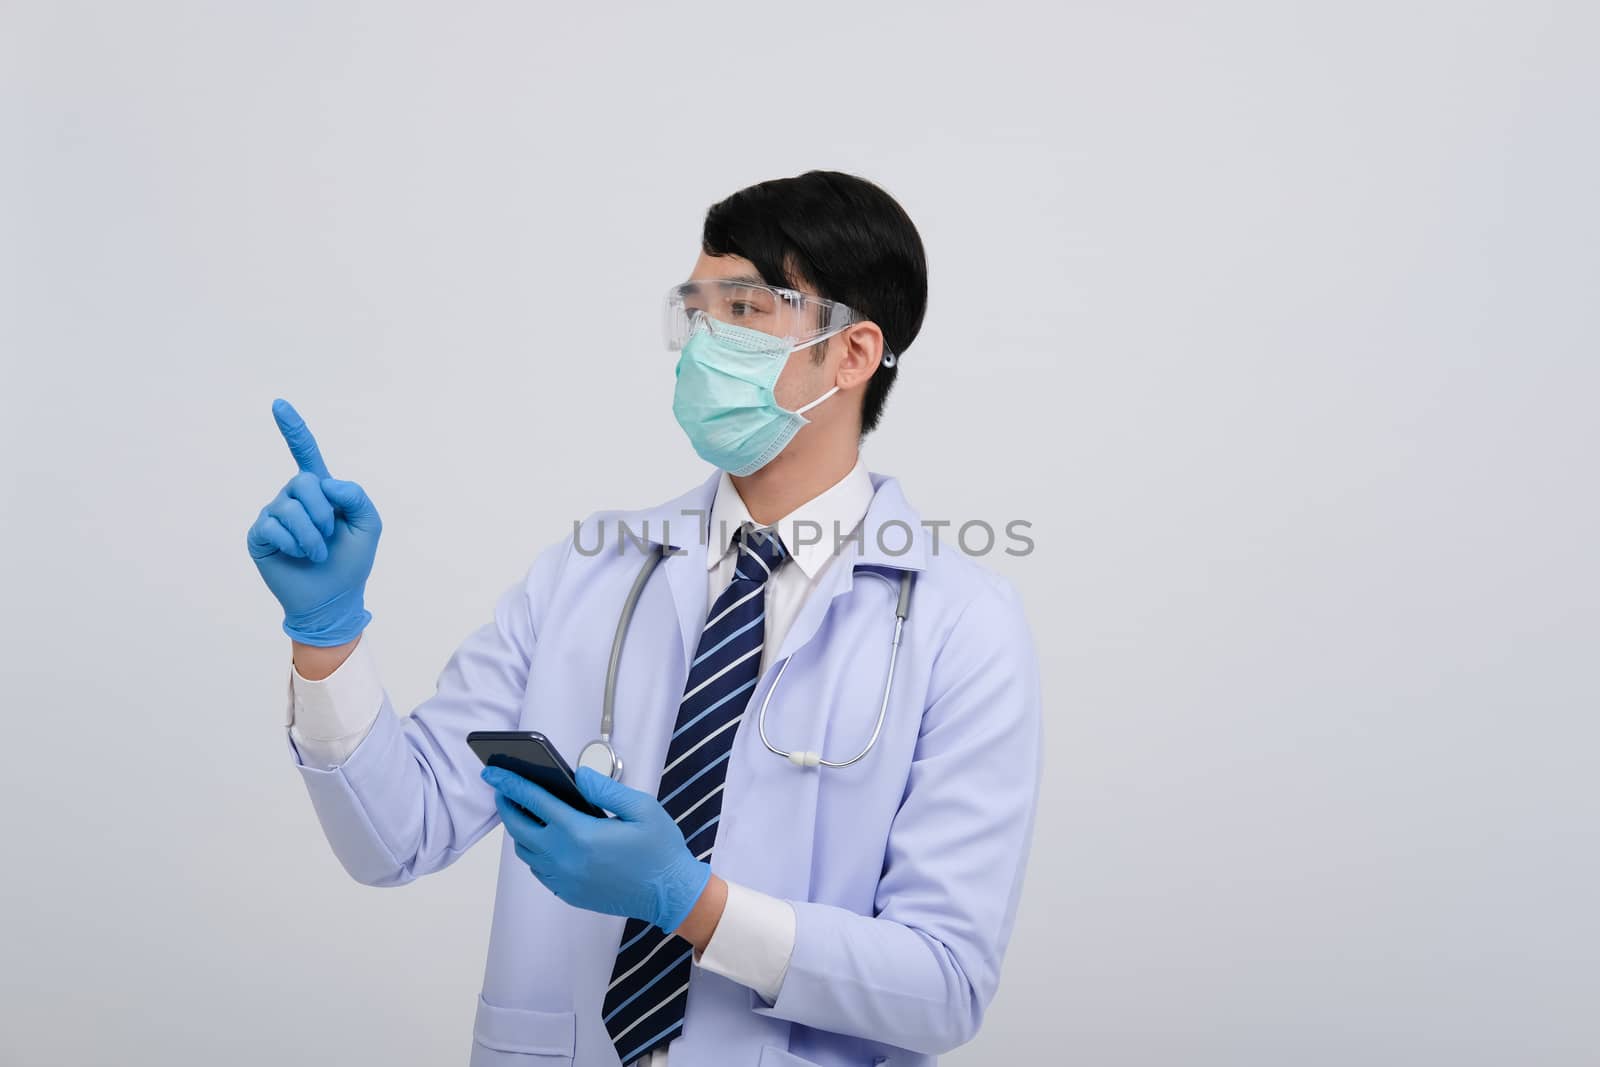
(832, 883)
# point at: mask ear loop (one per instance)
(818, 400)
(825, 335)
(888, 359)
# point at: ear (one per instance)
(861, 348)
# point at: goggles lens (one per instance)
(794, 316)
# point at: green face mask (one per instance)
(724, 399)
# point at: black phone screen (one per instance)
(530, 754)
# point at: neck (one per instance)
(792, 478)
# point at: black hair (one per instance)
(844, 238)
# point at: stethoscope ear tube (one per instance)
(902, 608)
(599, 754)
(608, 706)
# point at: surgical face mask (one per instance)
(724, 396)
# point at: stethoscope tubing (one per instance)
(625, 620)
(814, 759)
(902, 611)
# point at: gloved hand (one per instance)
(636, 864)
(314, 544)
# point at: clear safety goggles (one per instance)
(795, 316)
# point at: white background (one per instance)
(1278, 321)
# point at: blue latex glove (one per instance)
(635, 865)
(314, 544)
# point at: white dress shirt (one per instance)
(754, 938)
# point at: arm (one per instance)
(315, 663)
(335, 695)
(920, 972)
(637, 864)
(408, 799)
(742, 934)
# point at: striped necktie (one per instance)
(644, 1005)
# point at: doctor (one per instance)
(828, 721)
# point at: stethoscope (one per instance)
(600, 756)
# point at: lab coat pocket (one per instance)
(522, 1037)
(772, 1056)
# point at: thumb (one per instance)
(612, 795)
(351, 499)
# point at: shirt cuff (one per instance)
(753, 941)
(329, 718)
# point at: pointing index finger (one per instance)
(297, 434)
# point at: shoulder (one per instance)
(954, 580)
(968, 618)
(974, 602)
(982, 664)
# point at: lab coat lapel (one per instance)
(762, 782)
(681, 523)
(686, 575)
(888, 509)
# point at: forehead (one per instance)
(729, 268)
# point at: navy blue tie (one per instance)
(644, 1005)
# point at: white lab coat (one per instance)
(904, 869)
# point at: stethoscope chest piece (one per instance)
(600, 757)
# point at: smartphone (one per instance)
(530, 754)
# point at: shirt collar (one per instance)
(808, 532)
